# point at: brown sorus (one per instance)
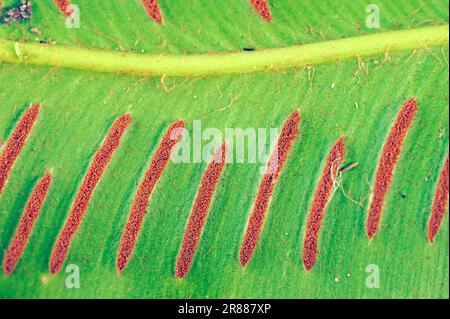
(153, 11)
(16, 143)
(83, 197)
(262, 8)
(320, 202)
(388, 161)
(256, 221)
(439, 203)
(199, 212)
(32, 209)
(137, 212)
(63, 6)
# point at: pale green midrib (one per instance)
(225, 63)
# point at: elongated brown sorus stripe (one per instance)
(320, 202)
(16, 142)
(256, 221)
(262, 8)
(145, 189)
(439, 203)
(388, 161)
(153, 10)
(199, 212)
(83, 197)
(26, 224)
(63, 6)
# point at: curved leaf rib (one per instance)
(226, 63)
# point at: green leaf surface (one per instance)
(358, 97)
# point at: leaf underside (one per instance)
(358, 98)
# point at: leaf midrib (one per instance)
(221, 64)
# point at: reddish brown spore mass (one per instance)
(262, 8)
(199, 212)
(388, 161)
(63, 6)
(439, 204)
(319, 205)
(255, 224)
(16, 142)
(83, 197)
(153, 11)
(26, 224)
(145, 189)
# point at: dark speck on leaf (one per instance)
(249, 49)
